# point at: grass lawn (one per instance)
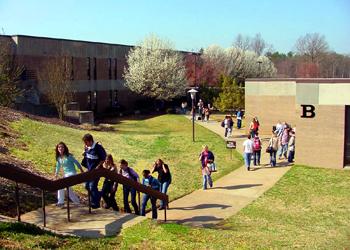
(308, 208)
(140, 142)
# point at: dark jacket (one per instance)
(93, 156)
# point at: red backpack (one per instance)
(256, 144)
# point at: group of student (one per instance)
(282, 142)
(95, 156)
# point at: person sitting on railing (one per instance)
(110, 187)
(128, 172)
(150, 181)
(67, 162)
(94, 155)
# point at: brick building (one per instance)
(96, 69)
(318, 108)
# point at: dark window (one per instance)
(110, 68)
(72, 68)
(88, 62)
(94, 101)
(95, 69)
(115, 69)
(89, 107)
(113, 98)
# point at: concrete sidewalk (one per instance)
(231, 193)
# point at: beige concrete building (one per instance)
(318, 108)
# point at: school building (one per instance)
(318, 108)
(96, 70)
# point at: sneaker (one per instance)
(60, 205)
(248, 168)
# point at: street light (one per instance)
(193, 96)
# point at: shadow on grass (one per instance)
(23, 228)
(203, 206)
(200, 221)
(238, 186)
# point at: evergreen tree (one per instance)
(232, 95)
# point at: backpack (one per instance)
(256, 144)
(155, 184)
(133, 177)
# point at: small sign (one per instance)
(231, 144)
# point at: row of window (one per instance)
(92, 99)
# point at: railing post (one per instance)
(68, 209)
(139, 200)
(165, 210)
(89, 201)
(17, 202)
(43, 205)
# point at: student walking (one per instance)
(68, 163)
(164, 177)
(149, 181)
(272, 149)
(239, 116)
(128, 172)
(254, 127)
(248, 151)
(256, 150)
(110, 187)
(291, 147)
(284, 142)
(94, 156)
(206, 157)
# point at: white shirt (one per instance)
(248, 146)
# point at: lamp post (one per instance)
(193, 96)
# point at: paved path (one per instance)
(231, 193)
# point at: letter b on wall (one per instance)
(308, 111)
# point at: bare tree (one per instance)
(312, 46)
(258, 44)
(10, 74)
(155, 69)
(55, 81)
(242, 42)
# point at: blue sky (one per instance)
(189, 24)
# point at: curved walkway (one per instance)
(231, 193)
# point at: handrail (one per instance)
(20, 175)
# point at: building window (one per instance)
(95, 69)
(88, 62)
(115, 69)
(113, 98)
(72, 68)
(89, 107)
(110, 68)
(94, 100)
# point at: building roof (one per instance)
(301, 80)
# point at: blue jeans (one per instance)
(207, 179)
(94, 193)
(126, 191)
(256, 157)
(273, 158)
(291, 156)
(284, 150)
(145, 199)
(239, 123)
(247, 158)
(164, 189)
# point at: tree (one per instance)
(232, 95)
(258, 44)
(155, 70)
(55, 81)
(10, 75)
(242, 42)
(312, 46)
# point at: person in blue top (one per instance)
(149, 181)
(94, 156)
(68, 163)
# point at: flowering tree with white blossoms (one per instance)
(155, 69)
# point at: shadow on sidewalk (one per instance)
(238, 186)
(202, 206)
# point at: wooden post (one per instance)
(68, 209)
(17, 202)
(89, 201)
(43, 205)
(165, 205)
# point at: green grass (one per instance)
(308, 209)
(140, 142)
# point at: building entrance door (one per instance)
(347, 136)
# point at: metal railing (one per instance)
(20, 175)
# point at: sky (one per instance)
(189, 24)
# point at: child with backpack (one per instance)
(149, 181)
(128, 172)
(256, 150)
